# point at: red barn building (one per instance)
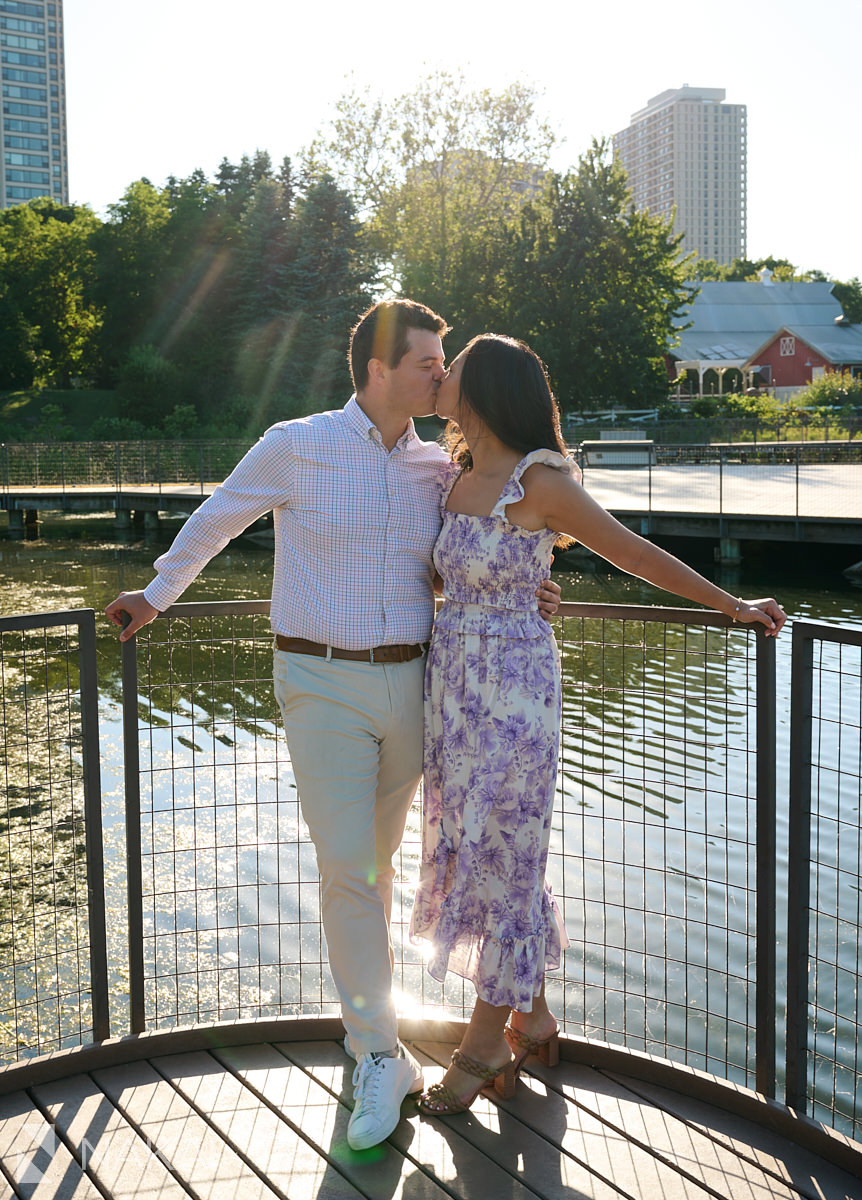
(781, 335)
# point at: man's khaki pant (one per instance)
(354, 732)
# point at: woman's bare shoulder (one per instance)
(540, 479)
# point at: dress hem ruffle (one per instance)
(504, 972)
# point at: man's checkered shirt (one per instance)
(355, 525)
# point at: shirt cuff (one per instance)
(160, 595)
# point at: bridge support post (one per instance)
(151, 524)
(123, 520)
(729, 552)
(16, 523)
(31, 523)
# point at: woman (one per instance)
(492, 704)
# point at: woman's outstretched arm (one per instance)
(567, 508)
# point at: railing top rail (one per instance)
(72, 616)
(645, 612)
(818, 631)
(218, 608)
(567, 608)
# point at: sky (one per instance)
(160, 88)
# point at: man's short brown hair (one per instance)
(382, 332)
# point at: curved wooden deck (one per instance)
(260, 1109)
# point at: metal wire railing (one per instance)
(787, 482)
(666, 795)
(53, 977)
(117, 465)
(663, 853)
(665, 836)
(824, 1064)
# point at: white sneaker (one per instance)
(379, 1086)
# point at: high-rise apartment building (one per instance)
(33, 115)
(687, 150)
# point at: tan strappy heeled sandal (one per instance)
(444, 1100)
(547, 1050)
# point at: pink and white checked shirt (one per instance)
(355, 525)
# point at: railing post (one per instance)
(765, 870)
(798, 868)
(89, 685)
(201, 459)
(134, 874)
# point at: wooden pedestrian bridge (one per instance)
(730, 493)
(167, 1019)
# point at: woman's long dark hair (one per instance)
(506, 385)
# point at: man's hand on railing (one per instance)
(136, 606)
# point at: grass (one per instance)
(21, 412)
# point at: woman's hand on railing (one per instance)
(767, 611)
(134, 605)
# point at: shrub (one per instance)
(182, 422)
(149, 386)
(835, 389)
(117, 429)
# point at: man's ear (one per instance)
(377, 370)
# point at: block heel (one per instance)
(547, 1050)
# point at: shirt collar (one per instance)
(358, 420)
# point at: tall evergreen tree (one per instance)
(594, 286)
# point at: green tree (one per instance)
(47, 265)
(132, 258)
(302, 276)
(594, 286)
(437, 175)
(849, 296)
(746, 270)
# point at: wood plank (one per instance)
(109, 1149)
(484, 1153)
(190, 1147)
(34, 1159)
(496, 1130)
(809, 1174)
(280, 1150)
(602, 1148)
(676, 1143)
(322, 1113)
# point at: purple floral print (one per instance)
(492, 719)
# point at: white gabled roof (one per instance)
(734, 321)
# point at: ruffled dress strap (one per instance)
(449, 473)
(514, 489)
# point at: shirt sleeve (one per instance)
(261, 481)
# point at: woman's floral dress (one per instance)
(492, 719)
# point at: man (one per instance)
(356, 501)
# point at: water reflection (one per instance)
(43, 884)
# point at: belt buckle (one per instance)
(371, 655)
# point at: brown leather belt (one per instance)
(379, 654)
